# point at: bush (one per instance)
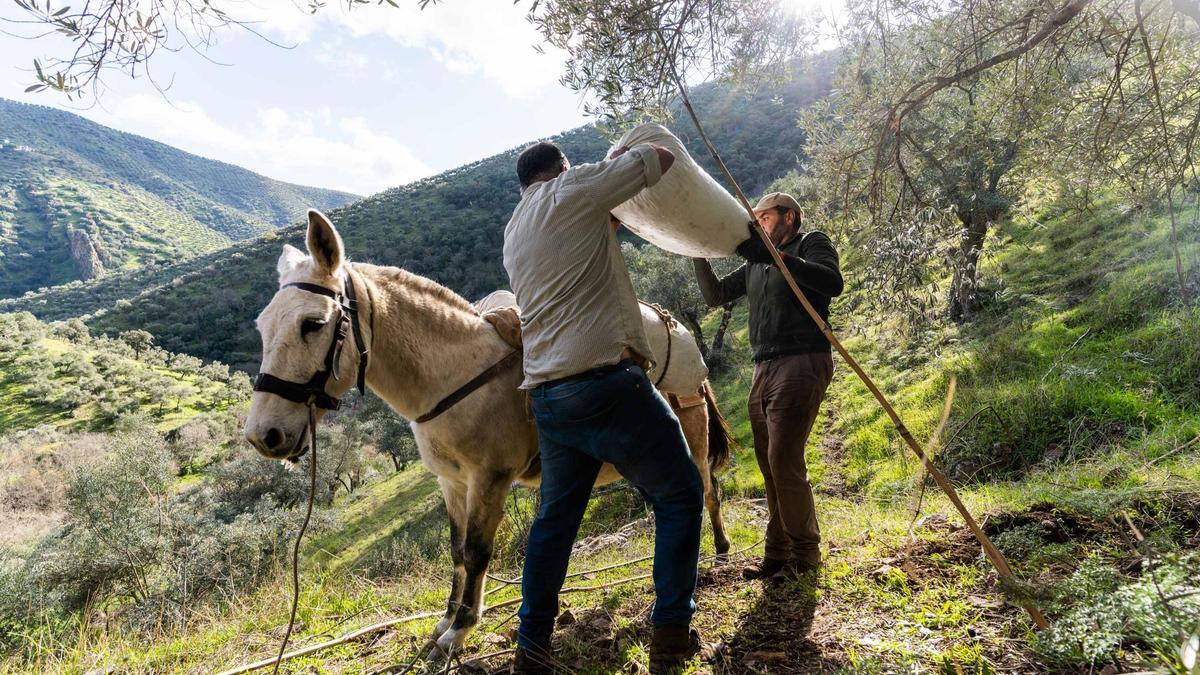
(1103, 611)
(240, 485)
(130, 535)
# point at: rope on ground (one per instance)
(482, 657)
(514, 582)
(429, 615)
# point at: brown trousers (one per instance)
(784, 400)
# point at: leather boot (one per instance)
(672, 645)
(532, 661)
(797, 569)
(763, 569)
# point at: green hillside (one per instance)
(82, 201)
(448, 227)
(1072, 436)
(62, 377)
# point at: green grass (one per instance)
(1076, 398)
(407, 504)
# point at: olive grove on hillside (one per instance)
(945, 110)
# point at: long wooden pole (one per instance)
(993, 553)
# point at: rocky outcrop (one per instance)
(86, 255)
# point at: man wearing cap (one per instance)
(584, 347)
(792, 368)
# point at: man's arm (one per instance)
(626, 173)
(818, 270)
(717, 292)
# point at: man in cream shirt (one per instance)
(584, 352)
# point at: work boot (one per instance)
(532, 661)
(796, 569)
(671, 646)
(764, 569)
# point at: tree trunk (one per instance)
(964, 298)
(693, 324)
(718, 343)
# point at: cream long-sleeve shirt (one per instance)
(578, 308)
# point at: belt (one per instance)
(593, 372)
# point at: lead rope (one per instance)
(312, 492)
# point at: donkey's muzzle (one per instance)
(277, 444)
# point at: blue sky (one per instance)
(364, 100)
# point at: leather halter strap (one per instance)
(466, 390)
(312, 392)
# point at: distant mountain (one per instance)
(448, 227)
(79, 201)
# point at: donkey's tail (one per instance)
(720, 435)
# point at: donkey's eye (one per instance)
(311, 326)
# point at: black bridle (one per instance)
(312, 393)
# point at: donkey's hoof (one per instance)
(452, 640)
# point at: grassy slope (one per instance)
(1100, 417)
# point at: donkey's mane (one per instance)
(425, 288)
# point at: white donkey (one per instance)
(417, 343)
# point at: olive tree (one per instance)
(944, 109)
(138, 340)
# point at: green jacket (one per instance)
(778, 323)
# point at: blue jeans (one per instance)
(611, 416)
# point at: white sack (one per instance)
(686, 212)
(686, 370)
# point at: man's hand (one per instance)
(754, 249)
(666, 158)
(612, 220)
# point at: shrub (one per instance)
(1103, 611)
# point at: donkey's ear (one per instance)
(289, 260)
(324, 242)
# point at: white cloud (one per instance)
(311, 147)
(490, 38)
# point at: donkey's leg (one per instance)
(712, 501)
(694, 421)
(455, 496)
(485, 508)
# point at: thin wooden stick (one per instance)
(429, 615)
(406, 619)
(994, 555)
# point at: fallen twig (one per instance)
(1176, 450)
(331, 643)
